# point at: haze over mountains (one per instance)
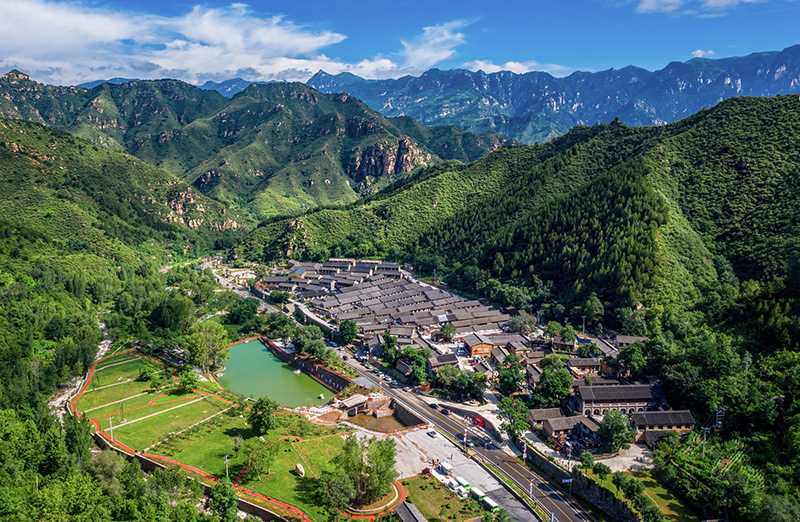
(271, 149)
(537, 106)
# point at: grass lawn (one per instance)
(318, 453)
(673, 508)
(139, 413)
(129, 369)
(207, 445)
(436, 502)
(283, 484)
(154, 429)
(669, 504)
(94, 398)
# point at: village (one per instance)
(385, 301)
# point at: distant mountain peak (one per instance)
(14, 74)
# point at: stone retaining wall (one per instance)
(601, 497)
(330, 379)
(406, 416)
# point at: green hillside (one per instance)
(687, 233)
(271, 150)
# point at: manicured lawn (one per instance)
(207, 445)
(283, 484)
(129, 369)
(154, 429)
(318, 453)
(93, 398)
(437, 502)
(144, 411)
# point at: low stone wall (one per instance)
(406, 416)
(330, 379)
(601, 497)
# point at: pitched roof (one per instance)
(623, 392)
(409, 513)
(568, 423)
(545, 413)
(663, 418)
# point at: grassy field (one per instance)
(438, 503)
(318, 453)
(92, 398)
(673, 508)
(153, 429)
(284, 484)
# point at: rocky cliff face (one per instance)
(386, 159)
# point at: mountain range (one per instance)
(536, 106)
(272, 149)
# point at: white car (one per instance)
(433, 433)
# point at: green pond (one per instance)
(254, 371)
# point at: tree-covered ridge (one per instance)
(272, 149)
(80, 198)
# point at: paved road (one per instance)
(547, 497)
(238, 290)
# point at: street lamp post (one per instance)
(226, 466)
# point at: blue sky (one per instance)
(68, 42)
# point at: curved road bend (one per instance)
(547, 497)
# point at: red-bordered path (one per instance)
(200, 393)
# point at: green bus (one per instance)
(491, 505)
(463, 483)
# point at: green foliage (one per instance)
(369, 465)
(587, 459)
(243, 311)
(262, 415)
(514, 414)
(348, 331)
(188, 378)
(510, 375)
(616, 430)
(448, 331)
(207, 344)
(309, 340)
(279, 296)
(223, 502)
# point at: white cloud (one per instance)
(703, 9)
(699, 53)
(659, 6)
(518, 67)
(435, 44)
(67, 42)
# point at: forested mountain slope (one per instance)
(272, 149)
(535, 106)
(687, 233)
(634, 214)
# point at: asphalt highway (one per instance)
(551, 500)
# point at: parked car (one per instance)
(470, 444)
(407, 389)
(345, 357)
(433, 433)
(434, 406)
(395, 384)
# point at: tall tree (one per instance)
(207, 344)
(616, 430)
(223, 502)
(348, 331)
(514, 414)
(448, 331)
(262, 418)
(510, 375)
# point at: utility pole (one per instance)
(111, 426)
(226, 466)
(584, 331)
(705, 432)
